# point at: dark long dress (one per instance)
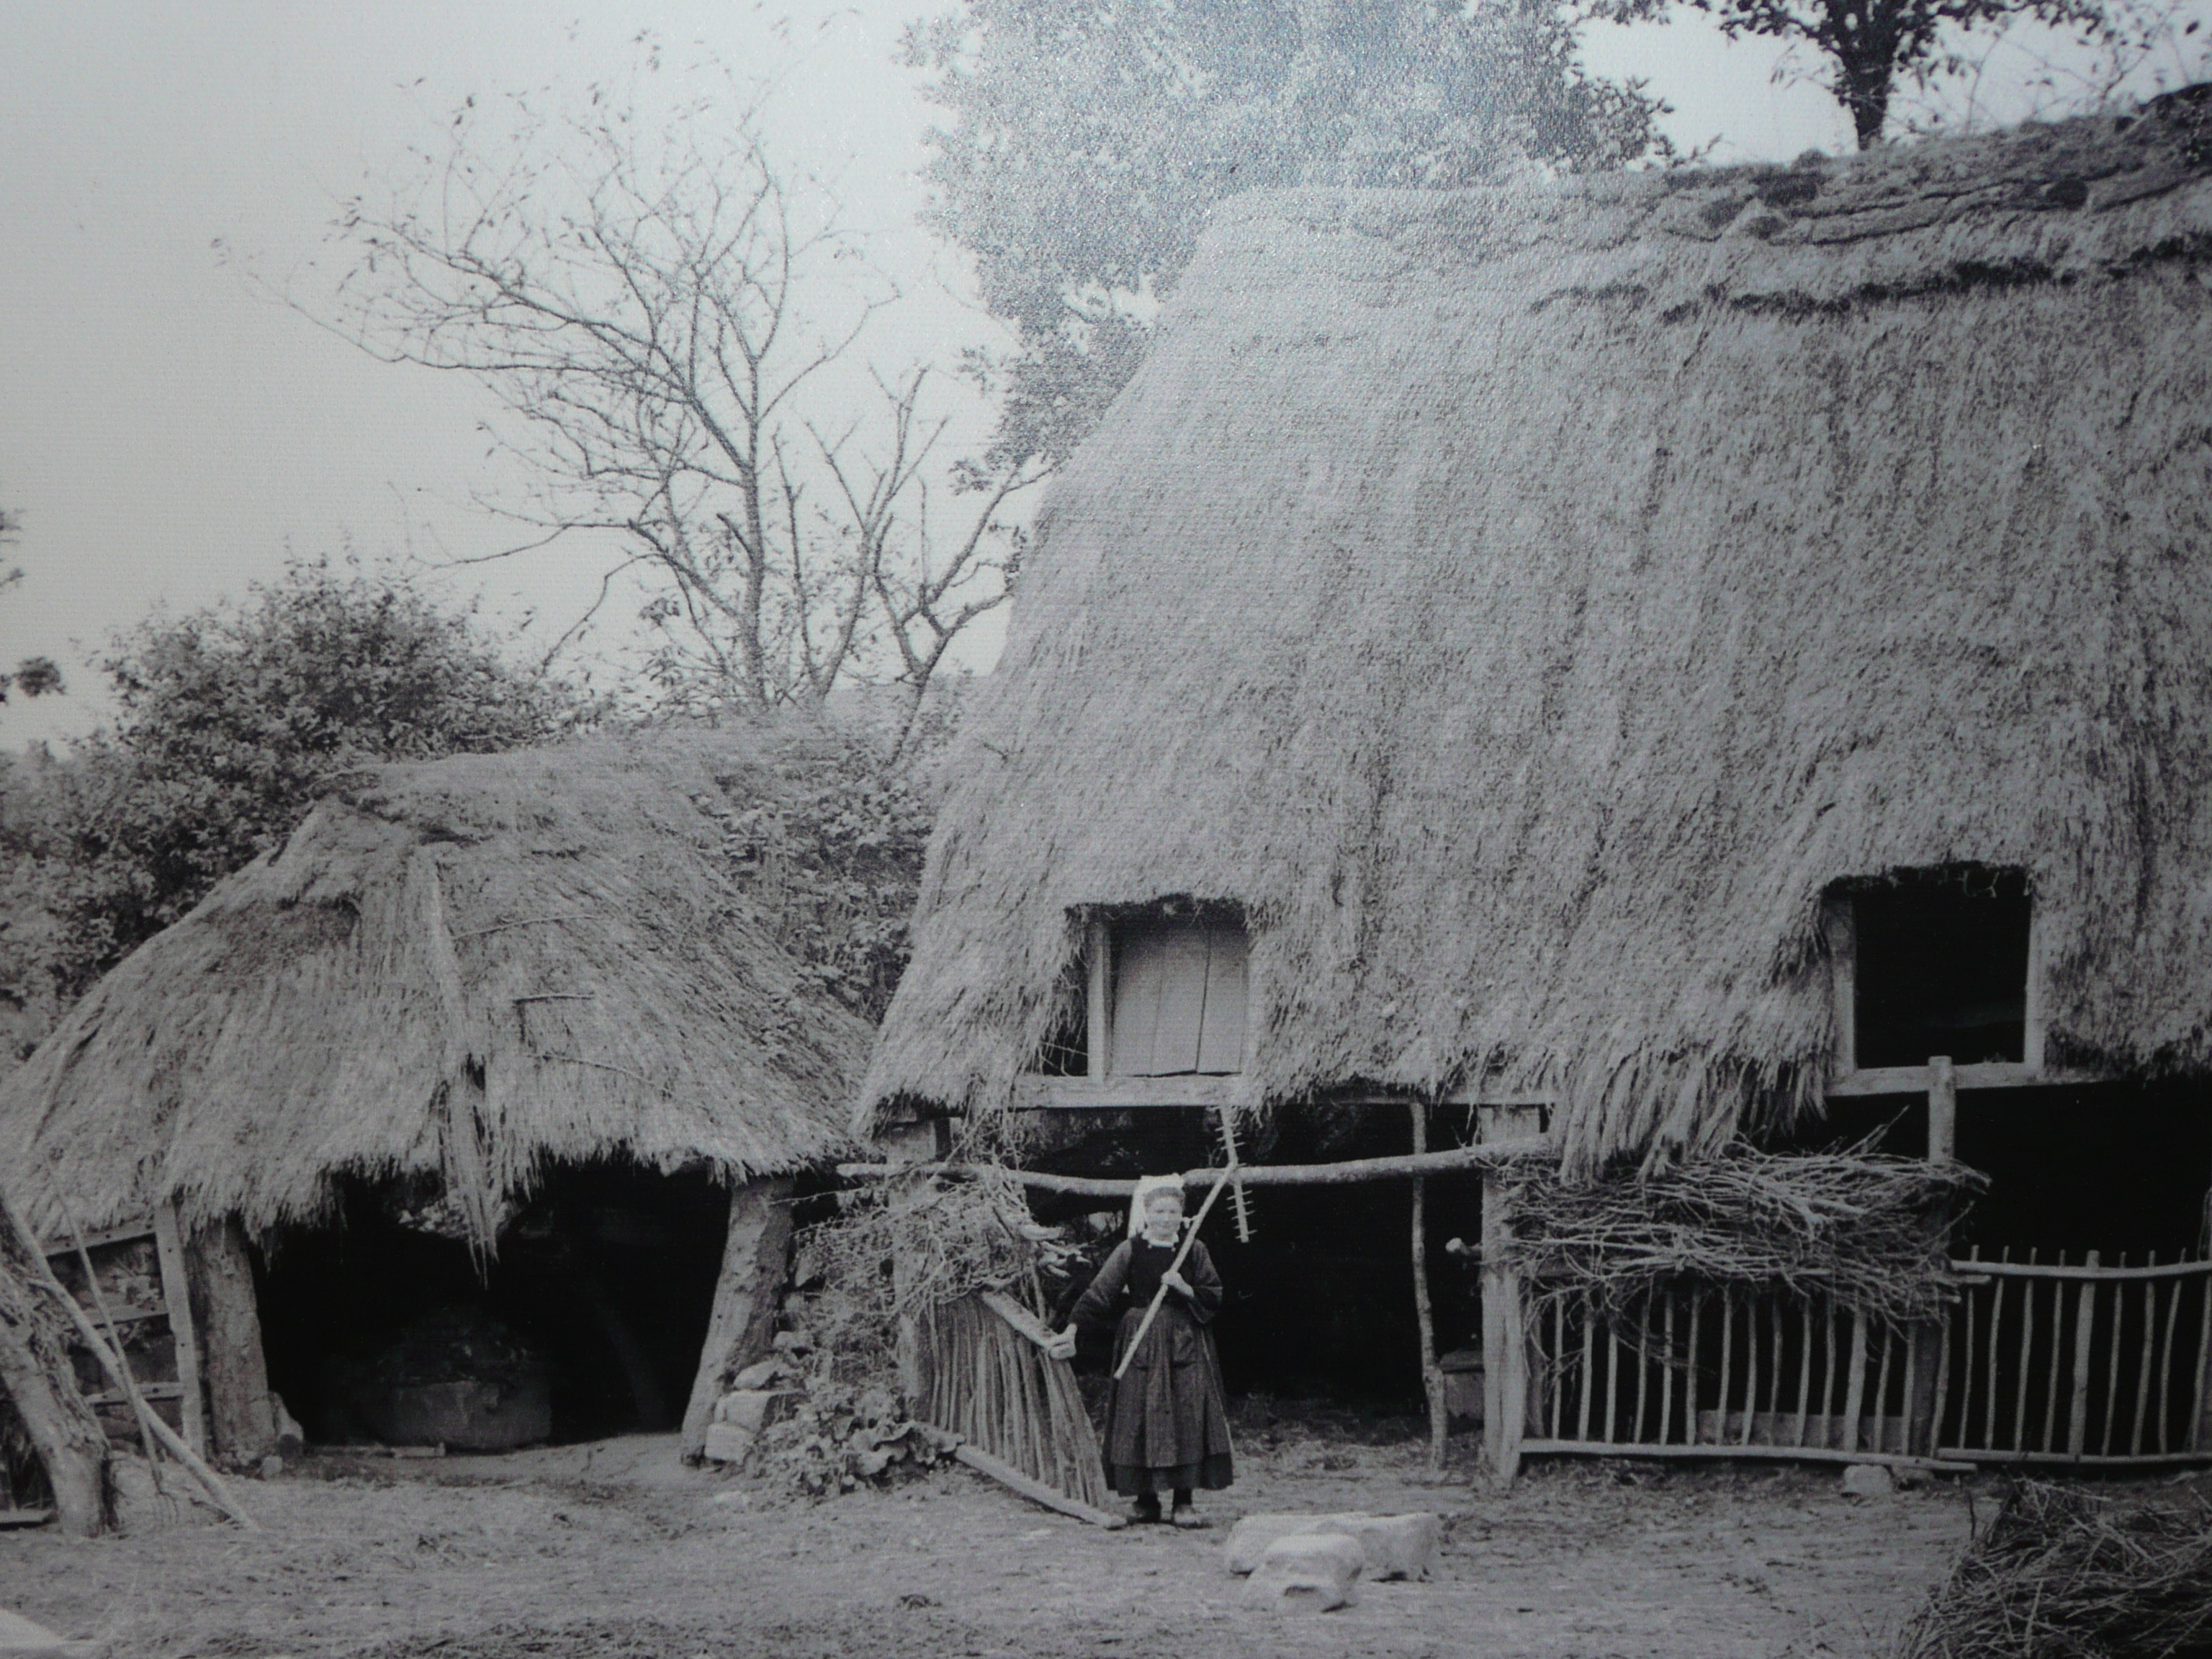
(1167, 1424)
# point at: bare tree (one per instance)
(667, 314)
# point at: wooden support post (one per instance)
(1924, 1403)
(756, 1263)
(218, 1272)
(1432, 1376)
(176, 1297)
(2034, 1023)
(1505, 1343)
(1942, 1110)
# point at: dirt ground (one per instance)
(613, 1549)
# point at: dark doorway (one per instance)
(605, 1277)
(1320, 1303)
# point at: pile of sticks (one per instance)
(1868, 1229)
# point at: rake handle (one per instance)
(1174, 1266)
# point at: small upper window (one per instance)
(1940, 966)
(1178, 997)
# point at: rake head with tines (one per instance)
(1240, 1202)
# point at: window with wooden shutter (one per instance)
(1178, 998)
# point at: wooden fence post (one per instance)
(1432, 1376)
(177, 1299)
(1924, 1410)
(1504, 1342)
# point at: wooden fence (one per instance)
(2079, 1362)
(2036, 1362)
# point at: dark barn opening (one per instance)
(1319, 1305)
(1941, 966)
(2118, 1168)
(601, 1287)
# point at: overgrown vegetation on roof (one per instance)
(465, 969)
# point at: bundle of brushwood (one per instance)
(2062, 1574)
(1869, 1230)
(902, 1246)
(961, 1267)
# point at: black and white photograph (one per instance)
(1093, 829)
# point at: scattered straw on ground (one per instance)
(2062, 1574)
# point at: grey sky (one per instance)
(167, 432)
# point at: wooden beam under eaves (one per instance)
(1036, 1092)
(1989, 1074)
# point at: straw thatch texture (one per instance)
(1526, 602)
(465, 968)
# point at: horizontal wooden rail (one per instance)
(1972, 1272)
(1038, 1093)
(1768, 1453)
(1967, 1458)
(1020, 1318)
(1989, 1074)
(57, 1247)
(1353, 1171)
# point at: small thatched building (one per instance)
(375, 1051)
(1503, 645)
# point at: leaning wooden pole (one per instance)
(117, 1371)
(1432, 1376)
(36, 1373)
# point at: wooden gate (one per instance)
(2079, 1362)
(2036, 1362)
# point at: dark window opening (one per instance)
(1941, 966)
(1178, 998)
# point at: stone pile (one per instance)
(1314, 1563)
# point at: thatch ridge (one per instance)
(465, 968)
(1526, 602)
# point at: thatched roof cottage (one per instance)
(1683, 648)
(446, 988)
(1524, 606)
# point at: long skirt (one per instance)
(1167, 1423)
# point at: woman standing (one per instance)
(1167, 1424)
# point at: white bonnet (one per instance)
(1146, 1186)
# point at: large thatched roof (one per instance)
(467, 968)
(1526, 602)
